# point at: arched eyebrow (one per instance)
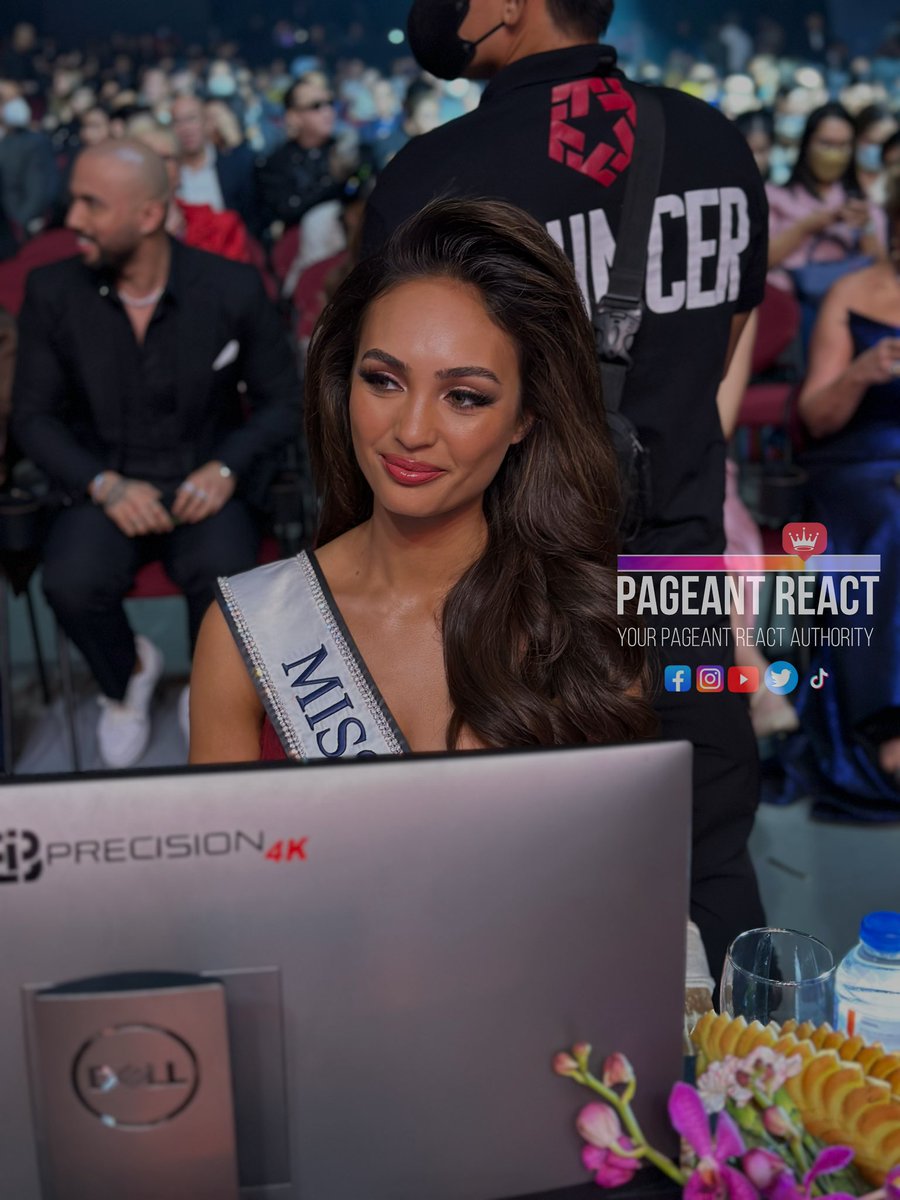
(449, 373)
(463, 372)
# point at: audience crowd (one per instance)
(273, 140)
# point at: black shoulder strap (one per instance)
(617, 317)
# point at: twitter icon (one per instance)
(782, 678)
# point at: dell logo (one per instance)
(20, 856)
(135, 1076)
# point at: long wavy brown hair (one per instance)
(532, 644)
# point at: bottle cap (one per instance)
(881, 931)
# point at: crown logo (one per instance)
(805, 540)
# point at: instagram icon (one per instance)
(710, 679)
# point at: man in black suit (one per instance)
(127, 394)
(223, 181)
(306, 170)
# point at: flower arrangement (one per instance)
(743, 1136)
(847, 1091)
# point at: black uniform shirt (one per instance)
(554, 134)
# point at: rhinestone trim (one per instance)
(261, 677)
(356, 672)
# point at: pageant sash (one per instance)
(314, 686)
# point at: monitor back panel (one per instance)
(414, 938)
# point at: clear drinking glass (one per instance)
(777, 975)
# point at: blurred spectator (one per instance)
(221, 82)
(386, 122)
(874, 126)
(196, 225)
(737, 43)
(758, 129)
(29, 178)
(305, 171)
(814, 41)
(222, 179)
(155, 92)
(17, 60)
(94, 126)
(850, 403)
(126, 394)
(820, 224)
(421, 114)
(770, 37)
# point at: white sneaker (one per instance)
(123, 730)
(184, 712)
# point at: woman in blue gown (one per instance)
(851, 405)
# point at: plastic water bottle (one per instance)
(867, 982)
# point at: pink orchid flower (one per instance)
(565, 1065)
(763, 1168)
(892, 1184)
(617, 1070)
(599, 1125)
(713, 1178)
(610, 1170)
(601, 1128)
(828, 1161)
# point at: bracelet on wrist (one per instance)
(95, 487)
(114, 494)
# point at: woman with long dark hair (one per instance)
(820, 223)
(462, 594)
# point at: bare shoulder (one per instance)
(858, 287)
(226, 713)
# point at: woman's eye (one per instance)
(466, 399)
(377, 380)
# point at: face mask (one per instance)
(15, 113)
(868, 158)
(433, 31)
(221, 86)
(828, 166)
(790, 126)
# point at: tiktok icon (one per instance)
(818, 680)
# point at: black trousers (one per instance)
(89, 566)
(724, 893)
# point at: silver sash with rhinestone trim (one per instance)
(315, 690)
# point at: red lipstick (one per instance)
(409, 471)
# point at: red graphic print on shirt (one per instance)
(571, 102)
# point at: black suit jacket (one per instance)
(66, 412)
(293, 180)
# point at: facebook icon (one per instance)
(678, 679)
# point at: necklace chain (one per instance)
(140, 301)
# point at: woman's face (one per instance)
(830, 150)
(434, 399)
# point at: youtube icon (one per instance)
(743, 679)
